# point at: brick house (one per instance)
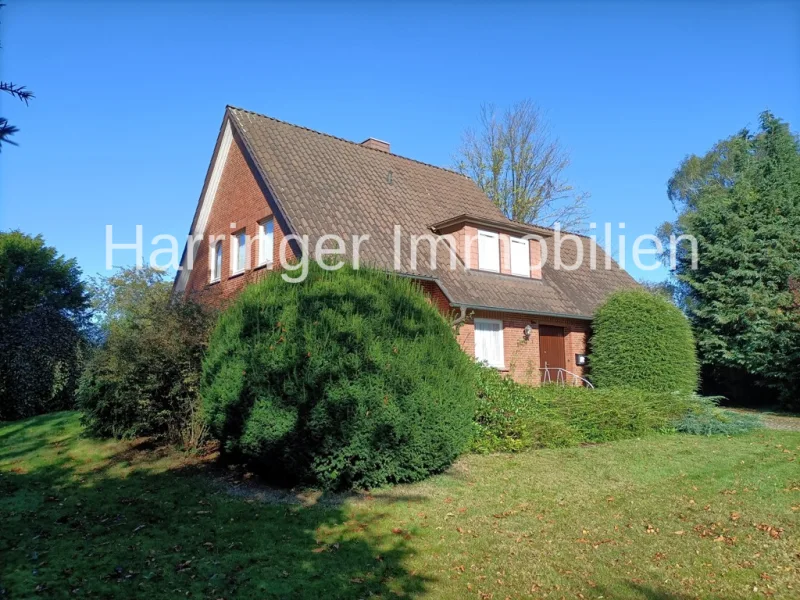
(270, 183)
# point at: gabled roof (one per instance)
(328, 185)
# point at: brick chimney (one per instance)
(376, 144)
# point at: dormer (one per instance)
(503, 247)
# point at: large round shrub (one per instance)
(348, 379)
(642, 340)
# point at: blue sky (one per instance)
(130, 96)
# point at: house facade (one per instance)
(275, 193)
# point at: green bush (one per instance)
(144, 378)
(706, 418)
(350, 379)
(641, 340)
(512, 417)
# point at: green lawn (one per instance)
(661, 518)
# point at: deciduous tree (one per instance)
(515, 160)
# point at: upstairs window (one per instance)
(488, 251)
(265, 242)
(216, 262)
(489, 342)
(520, 257)
(239, 253)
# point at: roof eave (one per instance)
(507, 226)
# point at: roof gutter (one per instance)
(523, 312)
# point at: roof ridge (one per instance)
(341, 139)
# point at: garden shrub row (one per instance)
(352, 379)
(512, 417)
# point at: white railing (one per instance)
(563, 376)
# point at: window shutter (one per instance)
(497, 344)
(489, 342)
(488, 251)
(520, 257)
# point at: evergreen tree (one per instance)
(741, 201)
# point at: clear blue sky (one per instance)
(130, 96)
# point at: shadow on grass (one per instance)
(54, 423)
(639, 591)
(162, 533)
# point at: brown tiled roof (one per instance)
(328, 185)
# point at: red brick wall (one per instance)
(239, 204)
(535, 247)
(435, 295)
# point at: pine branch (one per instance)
(6, 131)
(17, 91)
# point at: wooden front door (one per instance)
(551, 353)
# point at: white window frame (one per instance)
(484, 260)
(522, 269)
(238, 252)
(216, 262)
(266, 241)
(499, 361)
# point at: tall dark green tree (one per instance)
(43, 313)
(741, 201)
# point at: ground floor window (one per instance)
(489, 342)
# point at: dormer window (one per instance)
(520, 257)
(488, 251)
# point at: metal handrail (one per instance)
(561, 377)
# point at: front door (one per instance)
(551, 354)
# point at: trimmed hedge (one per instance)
(350, 379)
(642, 340)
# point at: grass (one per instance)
(662, 518)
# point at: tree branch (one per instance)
(521, 168)
(18, 91)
